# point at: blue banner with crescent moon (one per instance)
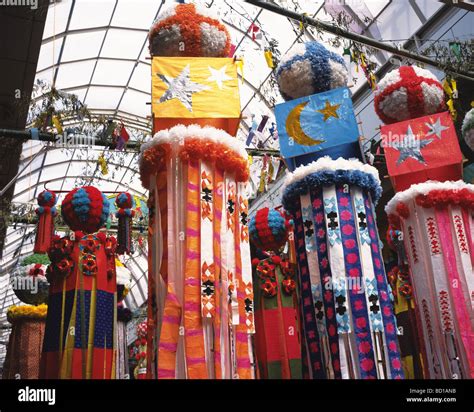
(317, 124)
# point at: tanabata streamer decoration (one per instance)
(437, 225)
(124, 280)
(124, 214)
(310, 68)
(468, 129)
(406, 93)
(196, 90)
(319, 125)
(200, 274)
(124, 315)
(409, 337)
(29, 281)
(80, 327)
(46, 212)
(140, 371)
(186, 30)
(422, 149)
(22, 359)
(277, 336)
(348, 320)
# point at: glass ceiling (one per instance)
(97, 49)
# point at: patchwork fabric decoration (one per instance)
(278, 335)
(310, 68)
(406, 93)
(85, 209)
(46, 212)
(124, 214)
(437, 225)
(199, 255)
(29, 280)
(186, 30)
(79, 340)
(349, 326)
(422, 149)
(468, 129)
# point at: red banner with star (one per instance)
(422, 149)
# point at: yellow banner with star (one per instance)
(202, 90)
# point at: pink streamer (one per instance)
(449, 256)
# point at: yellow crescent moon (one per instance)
(294, 130)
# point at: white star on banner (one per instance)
(181, 88)
(411, 147)
(218, 75)
(436, 128)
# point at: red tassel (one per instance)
(45, 226)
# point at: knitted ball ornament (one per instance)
(310, 68)
(407, 93)
(185, 30)
(268, 229)
(86, 209)
(468, 129)
(47, 198)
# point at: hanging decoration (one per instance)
(22, 359)
(422, 149)
(317, 125)
(124, 280)
(124, 315)
(104, 170)
(140, 351)
(350, 329)
(206, 275)
(186, 30)
(451, 89)
(406, 93)
(29, 280)
(468, 129)
(436, 221)
(277, 337)
(310, 68)
(196, 90)
(124, 214)
(45, 226)
(80, 327)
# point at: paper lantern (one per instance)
(82, 278)
(202, 91)
(319, 125)
(422, 149)
(185, 30)
(85, 209)
(197, 182)
(348, 320)
(29, 280)
(437, 225)
(45, 227)
(406, 93)
(468, 129)
(268, 230)
(310, 68)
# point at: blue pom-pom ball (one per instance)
(310, 68)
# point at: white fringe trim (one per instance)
(326, 163)
(423, 189)
(178, 134)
